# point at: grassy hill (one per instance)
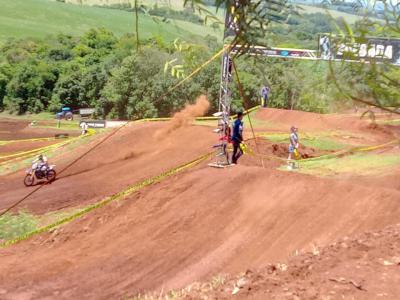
(175, 4)
(39, 18)
(350, 18)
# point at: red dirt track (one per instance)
(11, 129)
(130, 156)
(190, 226)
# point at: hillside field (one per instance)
(40, 18)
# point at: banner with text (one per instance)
(362, 49)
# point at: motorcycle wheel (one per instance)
(29, 180)
(51, 175)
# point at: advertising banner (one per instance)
(362, 49)
(281, 52)
(95, 123)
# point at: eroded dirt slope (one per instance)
(190, 227)
(365, 266)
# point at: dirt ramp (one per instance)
(189, 228)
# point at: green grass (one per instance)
(358, 164)
(320, 142)
(174, 4)
(43, 120)
(350, 18)
(40, 18)
(257, 123)
(64, 125)
(14, 225)
(323, 144)
(40, 116)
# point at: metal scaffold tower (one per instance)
(225, 91)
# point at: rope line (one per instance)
(63, 170)
(30, 153)
(118, 196)
(115, 131)
(195, 71)
(27, 153)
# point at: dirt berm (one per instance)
(190, 227)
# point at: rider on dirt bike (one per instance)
(42, 163)
(40, 170)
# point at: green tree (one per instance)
(31, 87)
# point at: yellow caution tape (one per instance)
(26, 154)
(335, 154)
(130, 190)
(27, 140)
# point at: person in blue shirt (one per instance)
(237, 137)
(264, 96)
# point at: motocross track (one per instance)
(190, 226)
(11, 129)
(130, 156)
(17, 136)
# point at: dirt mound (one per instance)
(272, 154)
(306, 121)
(190, 227)
(309, 120)
(362, 267)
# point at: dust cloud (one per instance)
(186, 116)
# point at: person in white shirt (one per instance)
(293, 146)
(84, 127)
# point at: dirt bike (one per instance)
(37, 173)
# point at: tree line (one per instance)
(108, 73)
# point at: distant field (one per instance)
(175, 4)
(40, 18)
(334, 13)
(178, 5)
